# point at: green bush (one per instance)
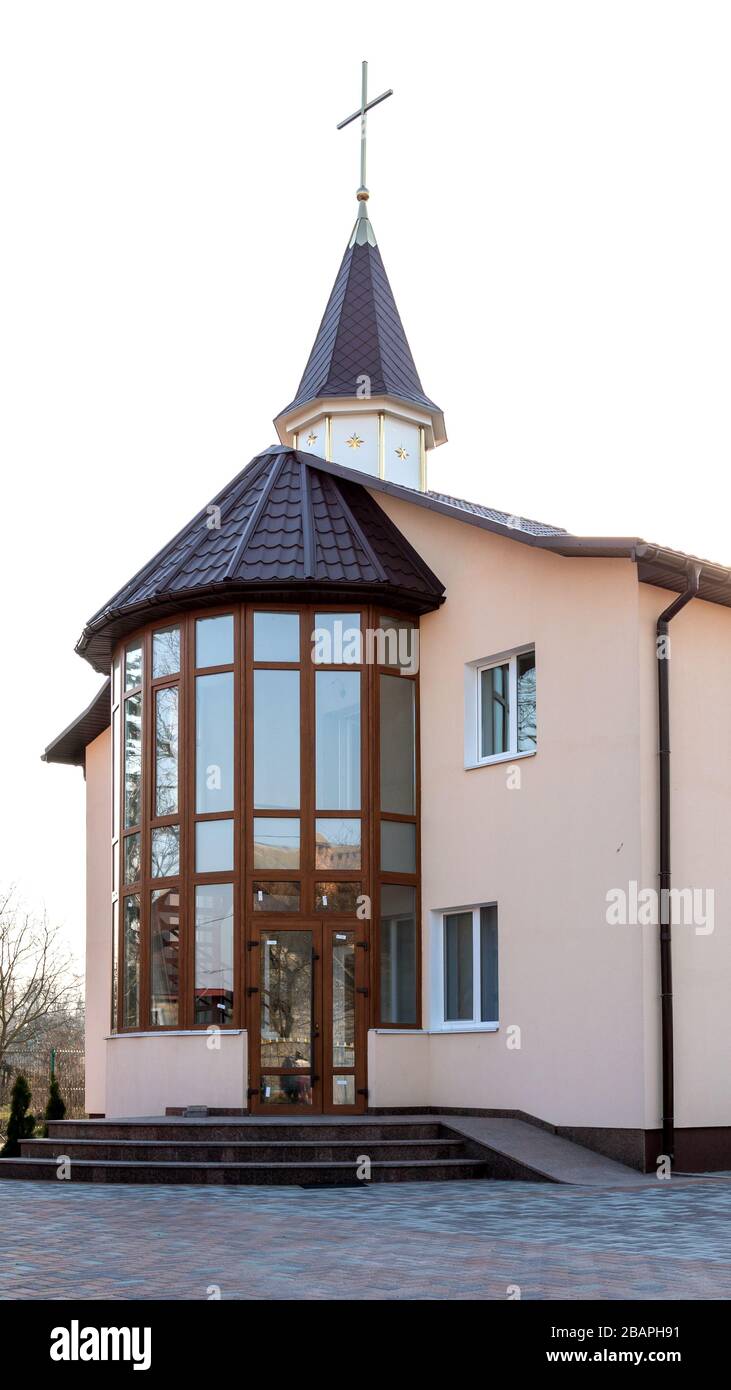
(20, 1123)
(56, 1107)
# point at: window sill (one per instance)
(174, 1033)
(444, 1029)
(501, 758)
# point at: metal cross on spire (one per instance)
(362, 112)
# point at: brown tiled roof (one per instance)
(288, 529)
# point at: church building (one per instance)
(379, 790)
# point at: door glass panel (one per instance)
(398, 746)
(276, 842)
(337, 844)
(165, 958)
(398, 847)
(336, 897)
(276, 637)
(337, 736)
(166, 652)
(286, 1001)
(214, 742)
(214, 846)
(132, 760)
(166, 751)
(343, 1090)
(277, 740)
(276, 897)
(214, 641)
(292, 1089)
(214, 953)
(343, 997)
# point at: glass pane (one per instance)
(337, 736)
(214, 846)
(397, 643)
(214, 641)
(131, 978)
(165, 958)
(133, 666)
(286, 999)
(337, 844)
(276, 637)
(458, 996)
(398, 746)
(398, 954)
(526, 702)
(131, 859)
(277, 740)
(116, 682)
(336, 897)
(214, 742)
(295, 1089)
(494, 727)
(115, 965)
(214, 953)
(398, 847)
(276, 842)
(165, 854)
(343, 1090)
(166, 652)
(336, 639)
(132, 760)
(488, 965)
(276, 897)
(343, 995)
(116, 771)
(166, 751)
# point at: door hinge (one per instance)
(251, 944)
(252, 989)
(314, 1079)
(363, 945)
(362, 989)
(362, 1091)
(252, 1091)
(315, 955)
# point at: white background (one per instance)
(550, 192)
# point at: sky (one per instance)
(550, 192)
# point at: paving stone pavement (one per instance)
(457, 1240)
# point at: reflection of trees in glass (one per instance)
(131, 970)
(337, 844)
(132, 759)
(131, 858)
(166, 751)
(343, 1004)
(165, 851)
(526, 702)
(287, 1000)
(166, 652)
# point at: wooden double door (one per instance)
(307, 1017)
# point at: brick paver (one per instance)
(460, 1240)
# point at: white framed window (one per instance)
(465, 970)
(500, 707)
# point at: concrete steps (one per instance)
(207, 1151)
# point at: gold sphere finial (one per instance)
(362, 195)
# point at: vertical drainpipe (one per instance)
(666, 960)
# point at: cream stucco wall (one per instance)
(700, 741)
(547, 852)
(146, 1072)
(98, 917)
